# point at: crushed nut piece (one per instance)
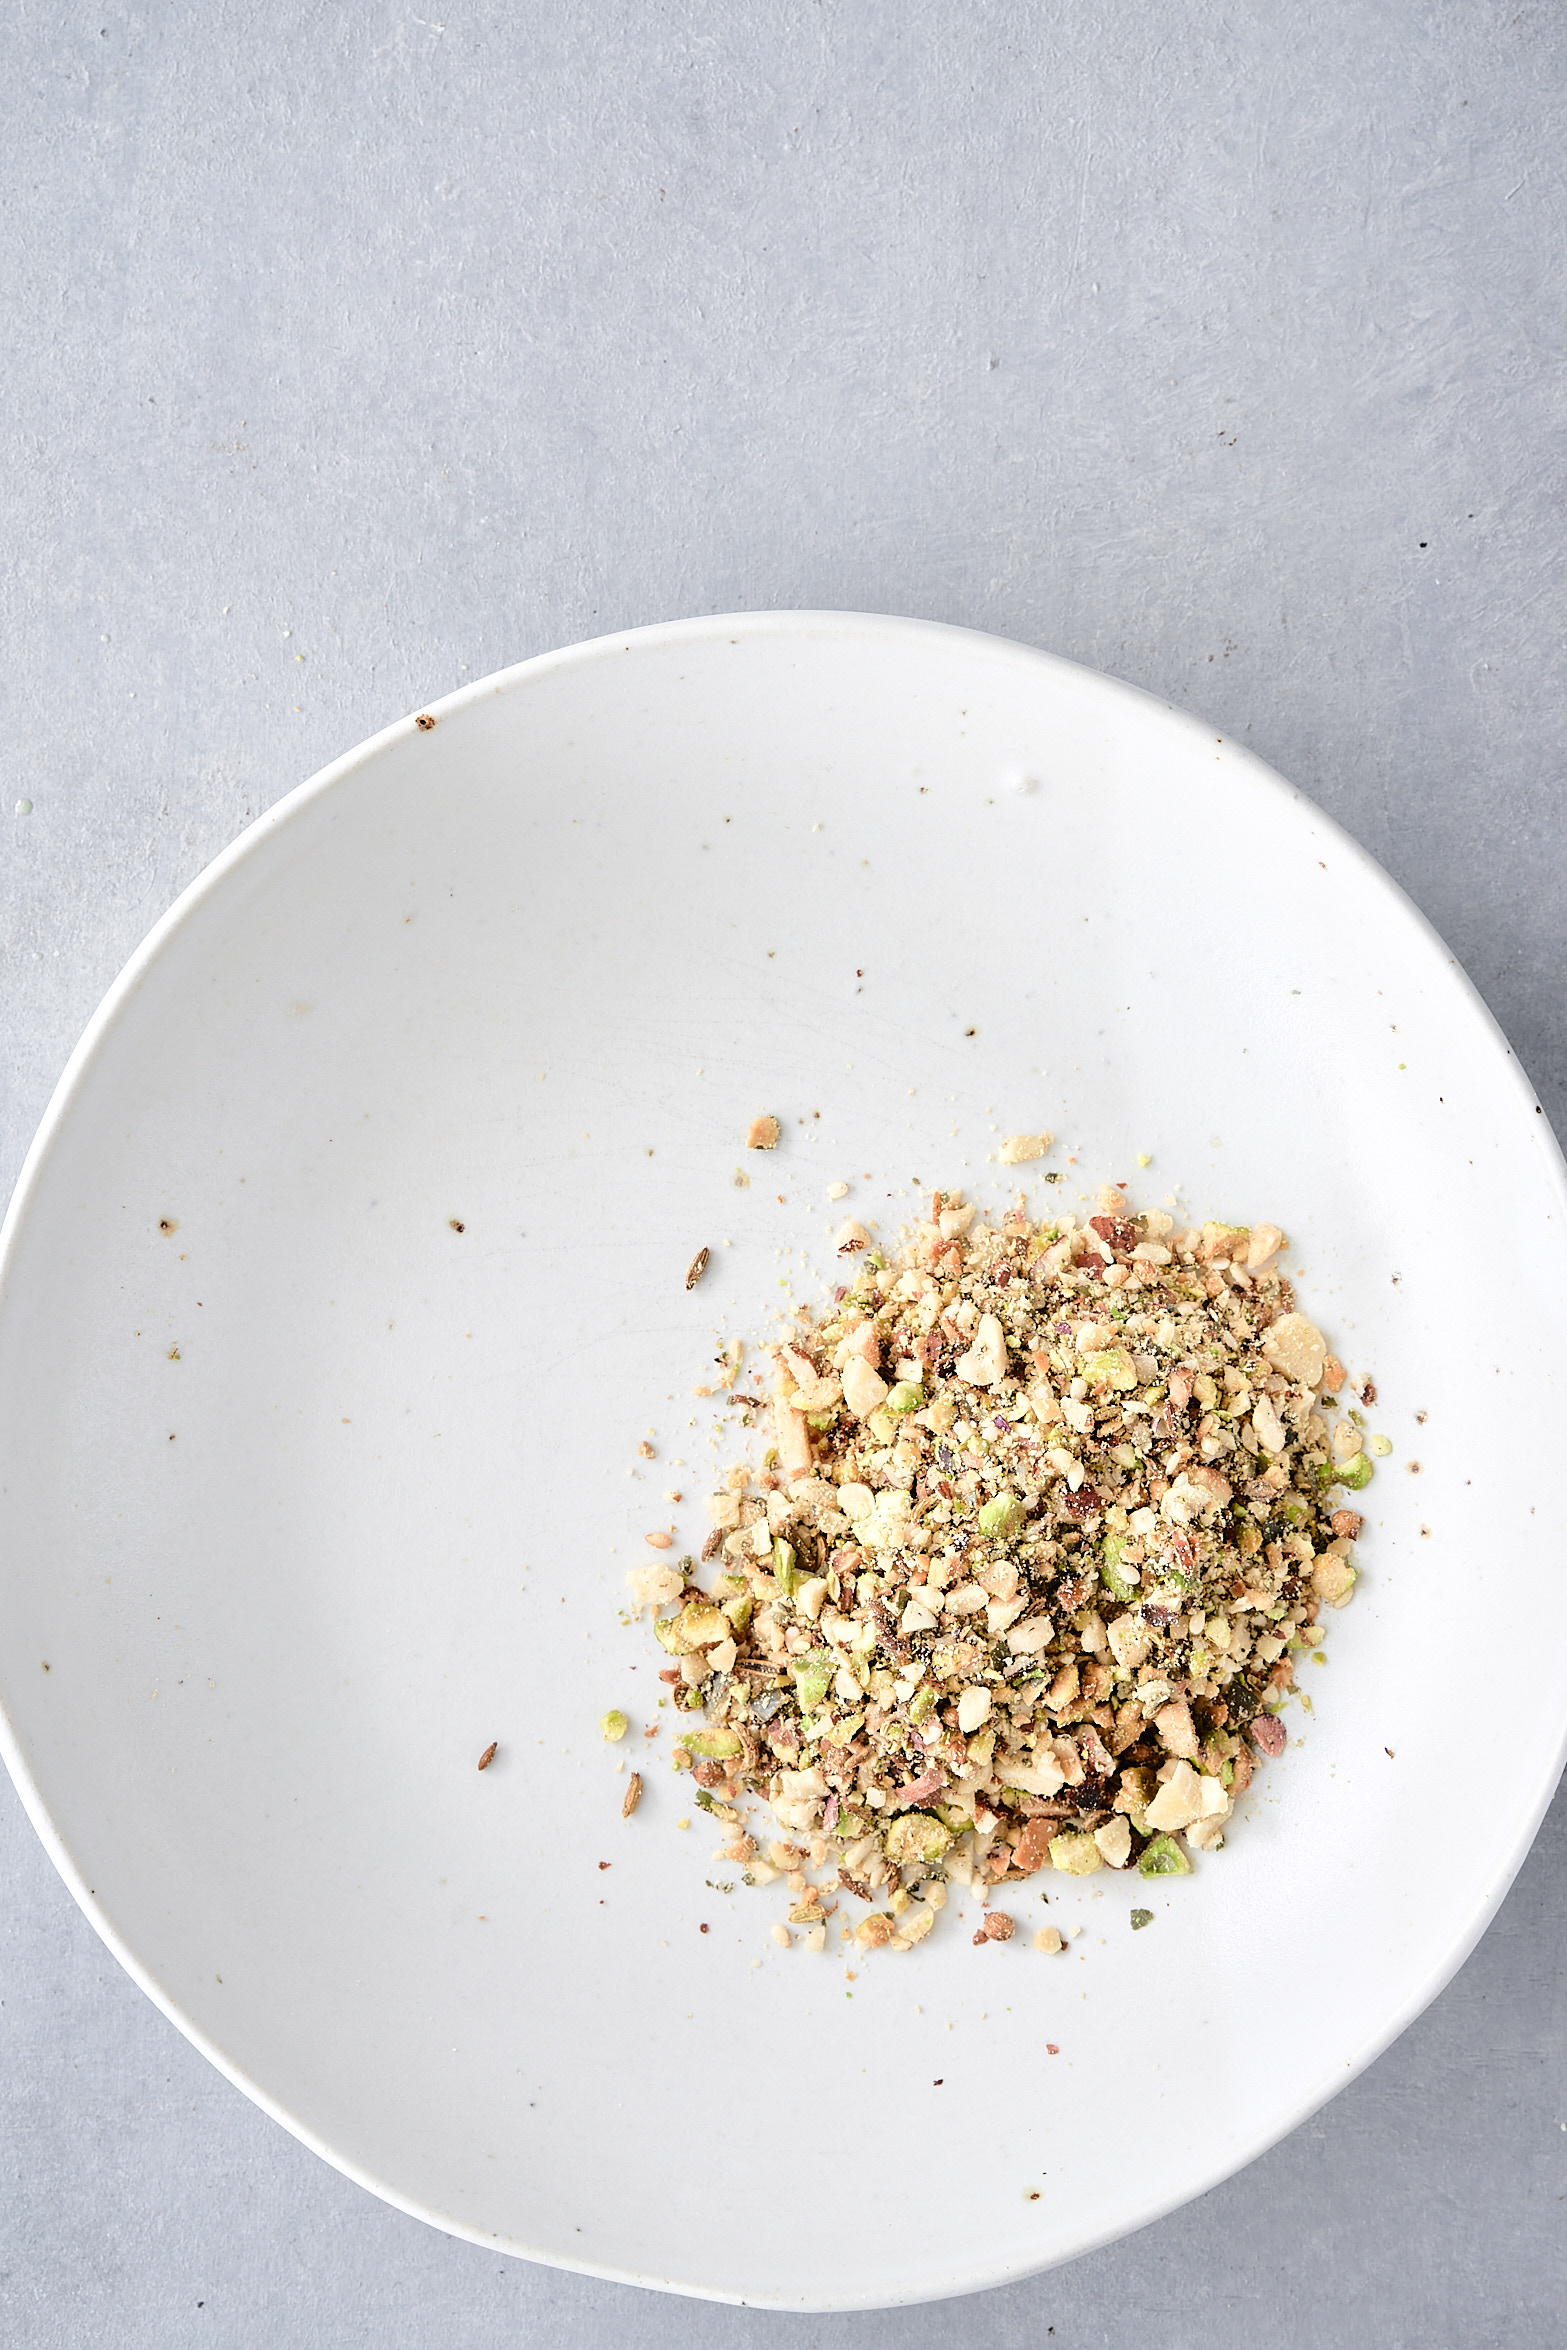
(633, 1795)
(762, 1134)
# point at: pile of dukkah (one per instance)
(1045, 1514)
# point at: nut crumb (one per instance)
(489, 1754)
(762, 1134)
(1019, 1148)
(633, 1795)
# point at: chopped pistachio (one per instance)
(1075, 1854)
(812, 1679)
(613, 1725)
(1002, 1517)
(916, 1835)
(1115, 1582)
(711, 1745)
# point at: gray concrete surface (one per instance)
(348, 353)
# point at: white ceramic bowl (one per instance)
(306, 1496)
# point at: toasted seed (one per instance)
(488, 1756)
(698, 1267)
(633, 1795)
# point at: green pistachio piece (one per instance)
(1114, 1582)
(917, 1835)
(812, 1680)
(786, 1571)
(905, 1397)
(699, 1624)
(714, 1745)
(1002, 1517)
(1164, 1858)
(1075, 1853)
(613, 1725)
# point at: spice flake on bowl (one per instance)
(1045, 1515)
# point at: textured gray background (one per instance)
(351, 353)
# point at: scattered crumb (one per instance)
(762, 1134)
